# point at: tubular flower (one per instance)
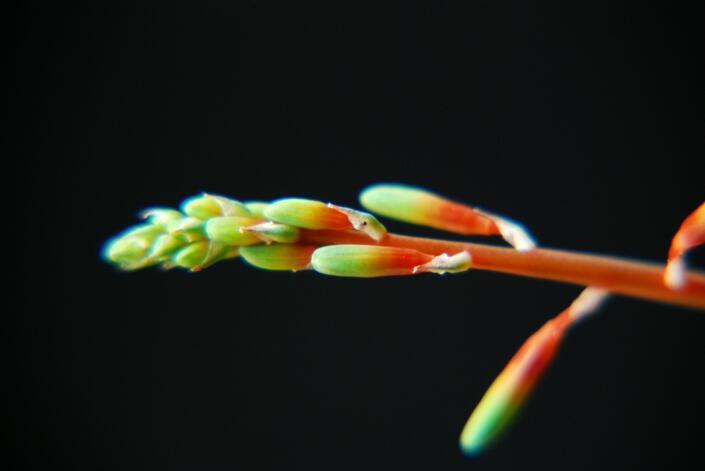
(690, 234)
(207, 206)
(417, 206)
(368, 261)
(311, 214)
(510, 389)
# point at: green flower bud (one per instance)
(188, 229)
(207, 206)
(200, 255)
(278, 256)
(227, 230)
(366, 261)
(311, 214)
(161, 217)
(165, 246)
(131, 248)
(257, 208)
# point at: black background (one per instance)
(583, 119)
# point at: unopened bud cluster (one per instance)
(211, 228)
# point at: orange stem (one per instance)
(637, 279)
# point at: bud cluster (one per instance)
(211, 228)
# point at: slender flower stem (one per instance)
(637, 279)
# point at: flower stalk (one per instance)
(630, 278)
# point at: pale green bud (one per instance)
(188, 229)
(200, 255)
(278, 256)
(257, 208)
(165, 245)
(161, 217)
(227, 230)
(132, 247)
(207, 206)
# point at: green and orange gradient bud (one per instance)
(293, 257)
(418, 206)
(311, 214)
(369, 261)
(690, 234)
(511, 388)
(206, 206)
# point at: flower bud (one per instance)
(227, 230)
(689, 235)
(188, 229)
(367, 261)
(417, 206)
(131, 247)
(279, 256)
(165, 245)
(161, 217)
(510, 389)
(310, 214)
(256, 208)
(200, 255)
(207, 206)
(273, 232)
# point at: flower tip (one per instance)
(470, 445)
(674, 276)
(515, 234)
(363, 222)
(206, 206)
(444, 263)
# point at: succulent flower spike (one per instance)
(279, 256)
(269, 232)
(226, 229)
(256, 208)
(368, 261)
(510, 389)
(311, 214)
(206, 206)
(690, 234)
(417, 206)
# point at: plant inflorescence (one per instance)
(300, 234)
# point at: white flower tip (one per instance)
(515, 234)
(445, 263)
(363, 222)
(589, 300)
(674, 276)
